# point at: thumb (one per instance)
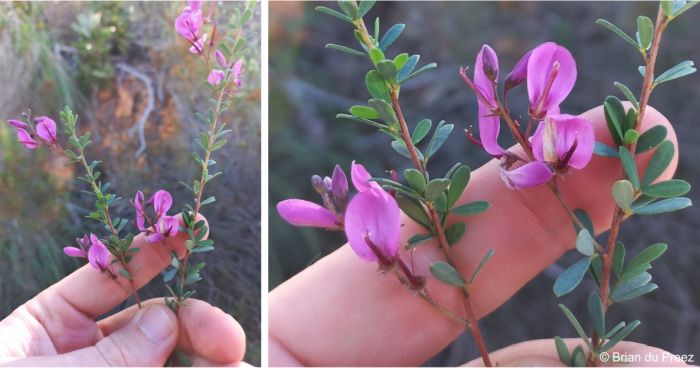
(146, 340)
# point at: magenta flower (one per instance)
(485, 77)
(198, 45)
(161, 226)
(360, 178)
(188, 23)
(26, 139)
(518, 74)
(236, 72)
(220, 58)
(93, 249)
(215, 77)
(551, 75)
(560, 142)
(17, 124)
(333, 191)
(46, 129)
(372, 226)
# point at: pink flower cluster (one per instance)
(43, 127)
(371, 220)
(218, 73)
(93, 249)
(189, 24)
(161, 225)
(560, 141)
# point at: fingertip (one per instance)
(200, 321)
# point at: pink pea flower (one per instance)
(93, 249)
(485, 75)
(26, 139)
(46, 129)
(360, 178)
(372, 226)
(333, 191)
(198, 44)
(215, 77)
(518, 74)
(17, 124)
(188, 23)
(165, 227)
(551, 75)
(162, 225)
(560, 142)
(140, 214)
(162, 201)
(236, 72)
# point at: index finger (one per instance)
(340, 311)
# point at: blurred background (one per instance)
(309, 85)
(110, 61)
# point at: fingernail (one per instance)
(156, 323)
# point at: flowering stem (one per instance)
(90, 176)
(619, 214)
(471, 324)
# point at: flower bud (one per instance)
(489, 63)
(518, 74)
(339, 185)
(317, 183)
(17, 124)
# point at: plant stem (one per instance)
(472, 324)
(619, 214)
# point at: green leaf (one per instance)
(442, 131)
(631, 135)
(459, 182)
(333, 13)
(577, 326)
(421, 130)
(663, 206)
(350, 8)
(481, 265)
(441, 203)
(408, 67)
(415, 180)
(376, 86)
(563, 351)
(169, 274)
(387, 69)
(625, 286)
(125, 273)
(596, 312)
(645, 30)
(623, 194)
(659, 162)
(618, 258)
(207, 201)
(617, 337)
(628, 94)
(680, 6)
(376, 55)
(578, 357)
(391, 35)
(400, 60)
(680, 70)
(364, 112)
(596, 269)
(346, 50)
(386, 112)
(582, 216)
(444, 272)
(204, 249)
(667, 7)
(648, 255)
(648, 288)
(472, 208)
(667, 189)
(616, 117)
(571, 277)
(618, 32)
(365, 6)
(614, 330)
(631, 272)
(413, 210)
(651, 138)
(455, 232)
(602, 149)
(417, 239)
(629, 165)
(584, 243)
(418, 72)
(435, 187)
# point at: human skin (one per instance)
(342, 312)
(58, 327)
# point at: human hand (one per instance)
(58, 328)
(341, 312)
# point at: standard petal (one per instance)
(220, 58)
(518, 74)
(574, 130)
(299, 212)
(339, 183)
(46, 129)
(162, 200)
(215, 77)
(529, 175)
(360, 178)
(539, 68)
(74, 252)
(138, 206)
(26, 140)
(374, 214)
(98, 255)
